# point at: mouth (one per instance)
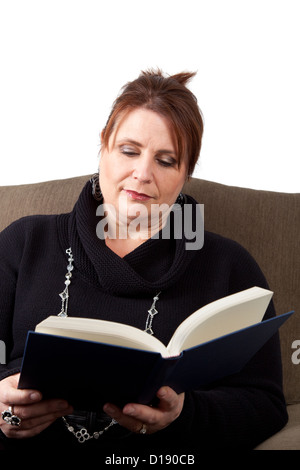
(137, 196)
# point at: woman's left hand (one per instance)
(137, 418)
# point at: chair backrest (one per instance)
(266, 223)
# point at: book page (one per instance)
(101, 331)
(221, 317)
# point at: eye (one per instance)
(129, 151)
(170, 162)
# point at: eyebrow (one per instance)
(138, 144)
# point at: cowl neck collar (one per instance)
(153, 266)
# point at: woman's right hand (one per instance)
(35, 413)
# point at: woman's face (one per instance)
(140, 165)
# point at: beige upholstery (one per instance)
(266, 223)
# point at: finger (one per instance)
(167, 401)
(154, 419)
(20, 433)
(10, 394)
(168, 398)
(170, 402)
(127, 422)
(21, 397)
(44, 408)
(35, 418)
(168, 409)
(134, 415)
(33, 422)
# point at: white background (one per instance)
(63, 62)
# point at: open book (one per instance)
(62, 355)
(216, 319)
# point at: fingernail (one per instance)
(161, 393)
(35, 396)
(109, 409)
(129, 410)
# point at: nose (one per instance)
(143, 170)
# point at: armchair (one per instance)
(266, 223)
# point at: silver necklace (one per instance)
(83, 435)
(64, 295)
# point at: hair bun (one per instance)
(183, 77)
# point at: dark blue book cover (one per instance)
(89, 374)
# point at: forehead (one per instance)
(144, 125)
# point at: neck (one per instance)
(122, 237)
(123, 247)
(131, 232)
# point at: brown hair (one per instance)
(169, 97)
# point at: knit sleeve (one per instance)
(7, 293)
(10, 254)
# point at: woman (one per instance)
(150, 146)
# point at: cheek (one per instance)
(112, 169)
(172, 188)
(107, 174)
(111, 178)
(104, 167)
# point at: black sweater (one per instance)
(238, 412)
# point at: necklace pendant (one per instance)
(64, 295)
(62, 314)
(149, 331)
(82, 435)
(151, 313)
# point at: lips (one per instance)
(137, 196)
